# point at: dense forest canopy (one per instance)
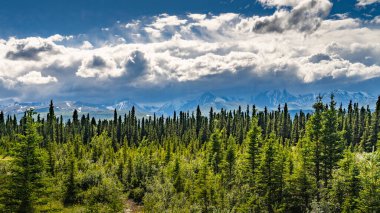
(246, 160)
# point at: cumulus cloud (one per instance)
(86, 45)
(136, 65)
(35, 77)
(296, 44)
(29, 49)
(367, 54)
(279, 3)
(376, 20)
(197, 17)
(305, 16)
(165, 20)
(366, 2)
(317, 58)
(100, 67)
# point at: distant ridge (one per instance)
(270, 99)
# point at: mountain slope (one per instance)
(271, 99)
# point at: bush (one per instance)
(106, 194)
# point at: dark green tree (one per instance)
(270, 175)
(26, 184)
(346, 184)
(330, 141)
(71, 191)
(314, 133)
(253, 141)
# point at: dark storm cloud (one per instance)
(304, 17)
(319, 57)
(25, 52)
(136, 65)
(97, 62)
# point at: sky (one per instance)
(150, 51)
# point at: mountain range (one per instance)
(270, 99)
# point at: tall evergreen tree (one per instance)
(215, 154)
(372, 141)
(369, 196)
(253, 141)
(26, 183)
(70, 196)
(270, 175)
(230, 159)
(300, 185)
(346, 185)
(314, 132)
(330, 140)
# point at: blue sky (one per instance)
(103, 50)
(47, 17)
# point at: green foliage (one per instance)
(215, 155)
(253, 141)
(230, 161)
(269, 177)
(346, 183)
(369, 196)
(71, 190)
(106, 193)
(27, 170)
(300, 184)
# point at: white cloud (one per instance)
(376, 20)
(35, 77)
(197, 17)
(342, 15)
(217, 22)
(296, 44)
(87, 45)
(30, 48)
(366, 2)
(305, 16)
(99, 66)
(279, 3)
(165, 20)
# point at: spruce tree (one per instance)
(176, 176)
(26, 184)
(374, 132)
(346, 185)
(330, 140)
(215, 154)
(270, 175)
(369, 196)
(70, 196)
(300, 184)
(253, 141)
(314, 132)
(230, 159)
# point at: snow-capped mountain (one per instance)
(64, 108)
(344, 97)
(125, 105)
(274, 98)
(204, 101)
(271, 99)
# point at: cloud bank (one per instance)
(295, 45)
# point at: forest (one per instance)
(244, 160)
